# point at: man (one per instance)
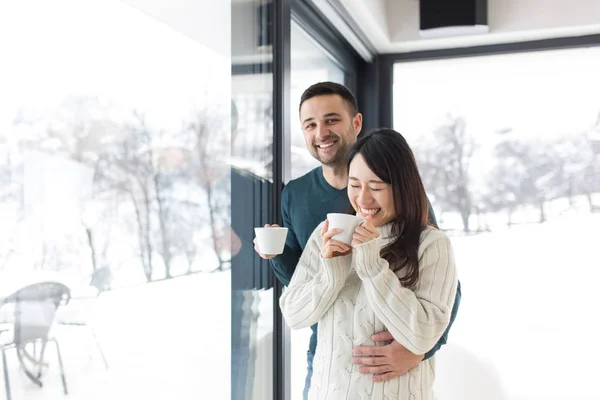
(330, 123)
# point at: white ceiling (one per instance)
(389, 26)
(392, 26)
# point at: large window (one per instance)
(116, 149)
(509, 150)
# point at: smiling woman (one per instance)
(371, 197)
(386, 188)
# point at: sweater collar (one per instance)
(385, 231)
(325, 186)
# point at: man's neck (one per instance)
(336, 175)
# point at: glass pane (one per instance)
(116, 180)
(309, 65)
(509, 149)
(251, 184)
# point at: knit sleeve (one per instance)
(417, 317)
(315, 285)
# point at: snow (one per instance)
(166, 339)
(528, 306)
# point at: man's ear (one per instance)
(357, 123)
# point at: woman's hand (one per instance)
(364, 233)
(332, 248)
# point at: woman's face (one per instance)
(372, 199)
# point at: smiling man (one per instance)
(331, 123)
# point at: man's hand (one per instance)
(385, 362)
(265, 256)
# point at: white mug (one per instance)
(347, 223)
(271, 240)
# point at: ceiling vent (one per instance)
(447, 18)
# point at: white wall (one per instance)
(397, 29)
(519, 15)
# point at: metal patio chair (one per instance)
(34, 308)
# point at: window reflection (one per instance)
(251, 188)
(115, 171)
(508, 149)
(251, 166)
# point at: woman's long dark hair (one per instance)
(388, 155)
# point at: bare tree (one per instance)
(503, 190)
(8, 187)
(588, 175)
(211, 145)
(526, 172)
(75, 131)
(184, 223)
(126, 166)
(444, 161)
(144, 167)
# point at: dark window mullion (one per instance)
(281, 26)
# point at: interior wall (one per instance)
(397, 29)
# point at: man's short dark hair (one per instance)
(329, 88)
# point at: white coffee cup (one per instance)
(347, 223)
(271, 240)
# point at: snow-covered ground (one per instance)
(527, 328)
(162, 340)
(528, 318)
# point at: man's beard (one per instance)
(338, 158)
(331, 159)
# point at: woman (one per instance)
(398, 274)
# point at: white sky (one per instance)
(537, 94)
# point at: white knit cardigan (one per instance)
(354, 296)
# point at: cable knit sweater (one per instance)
(354, 296)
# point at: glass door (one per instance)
(310, 64)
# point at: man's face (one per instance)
(329, 129)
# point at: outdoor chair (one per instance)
(34, 309)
